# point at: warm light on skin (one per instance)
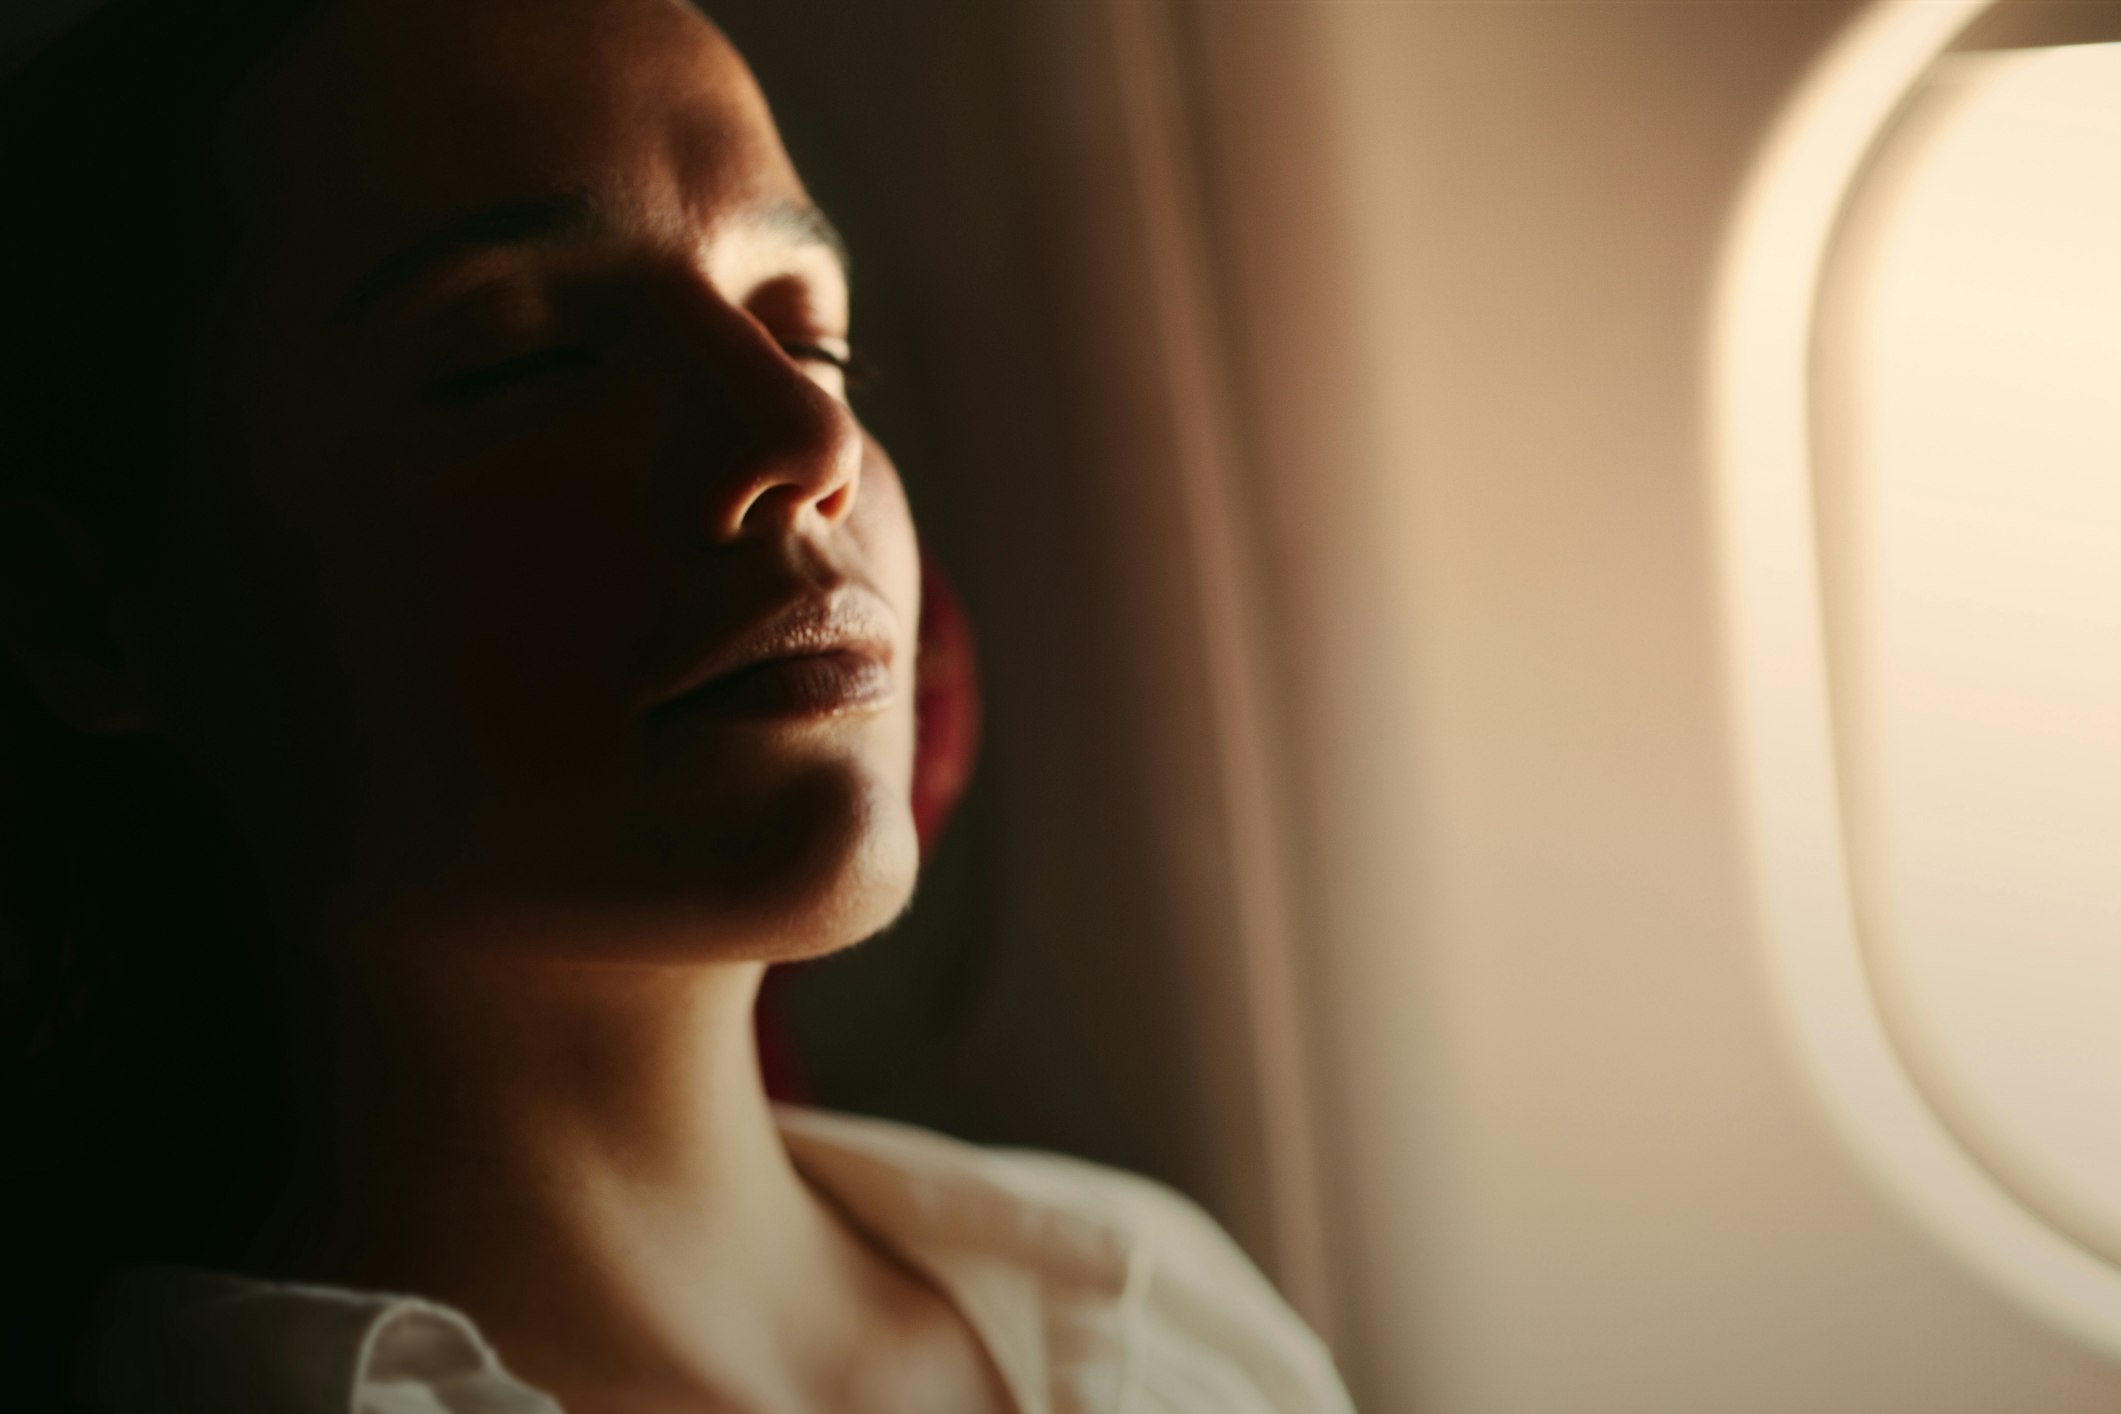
(1791, 782)
(506, 498)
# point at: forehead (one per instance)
(393, 116)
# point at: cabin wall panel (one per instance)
(1469, 250)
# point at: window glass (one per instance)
(1967, 381)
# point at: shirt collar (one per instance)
(1049, 1289)
(175, 1339)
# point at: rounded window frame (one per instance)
(1764, 310)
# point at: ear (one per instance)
(63, 621)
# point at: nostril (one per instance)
(835, 506)
(817, 468)
(773, 509)
(776, 504)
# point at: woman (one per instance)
(430, 472)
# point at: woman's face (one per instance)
(536, 585)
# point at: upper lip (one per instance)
(846, 620)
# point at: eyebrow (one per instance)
(802, 223)
(559, 219)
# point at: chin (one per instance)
(833, 862)
(818, 860)
(854, 892)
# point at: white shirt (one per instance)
(1091, 1289)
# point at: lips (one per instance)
(814, 657)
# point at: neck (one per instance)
(583, 1159)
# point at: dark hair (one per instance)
(137, 1077)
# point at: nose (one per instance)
(770, 453)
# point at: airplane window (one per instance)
(1970, 462)
(1956, 390)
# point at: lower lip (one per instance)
(813, 686)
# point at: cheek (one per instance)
(537, 584)
(465, 630)
(537, 594)
(882, 528)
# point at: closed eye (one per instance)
(518, 368)
(833, 353)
